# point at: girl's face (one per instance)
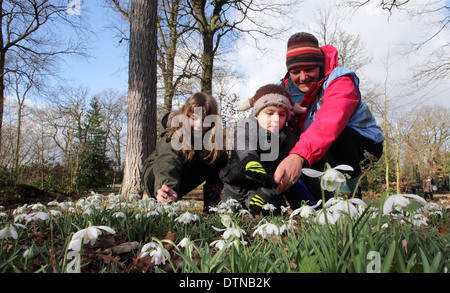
(196, 122)
(272, 118)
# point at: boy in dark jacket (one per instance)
(261, 142)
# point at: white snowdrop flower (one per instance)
(331, 179)
(288, 225)
(38, 206)
(323, 216)
(55, 213)
(28, 252)
(186, 243)
(134, 196)
(152, 214)
(187, 217)
(338, 207)
(53, 203)
(88, 212)
(237, 243)
(20, 210)
(230, 231)
(244, 212)
(220, 244)
(119, 215)
(419, 220)
(20, 217)
(39, 216)
(10, 231)
(90, 234)
(155, 250)
(305, 211)
(226, 220)
(269, 207)
(172, 214)
(65, 205)
(284, 209)
(266, 229)
(397, 202)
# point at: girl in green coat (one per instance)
(189, 153)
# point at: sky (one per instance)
(383, 36)
(107, 66)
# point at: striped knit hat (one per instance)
(303, 50)
(271, 95)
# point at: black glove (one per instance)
(259, 198)
(254, 171)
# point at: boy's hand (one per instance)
(261, 197)
(253, 170)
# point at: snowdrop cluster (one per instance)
(231, 233)
(113, 208)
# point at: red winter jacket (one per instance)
(340, 100)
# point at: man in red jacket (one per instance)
(338, 127)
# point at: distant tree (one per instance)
(220, 22)
(29, 34)
(426, 134)
(93, 164)
(113, 107)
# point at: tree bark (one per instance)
(141, 131)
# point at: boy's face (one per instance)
(272, 118)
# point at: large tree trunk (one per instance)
(207, 62)
(141, 132)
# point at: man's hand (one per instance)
(166, 194)
(288, 172)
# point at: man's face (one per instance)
(303, 77)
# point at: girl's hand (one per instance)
(166, 194)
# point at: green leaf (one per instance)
(435, 263)
(385, 267)
(425, 263)
(412, 206)
(310, 265)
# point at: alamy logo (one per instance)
(191, 134)
(74, 7)
(374, 266)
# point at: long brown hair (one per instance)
(209, 107)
